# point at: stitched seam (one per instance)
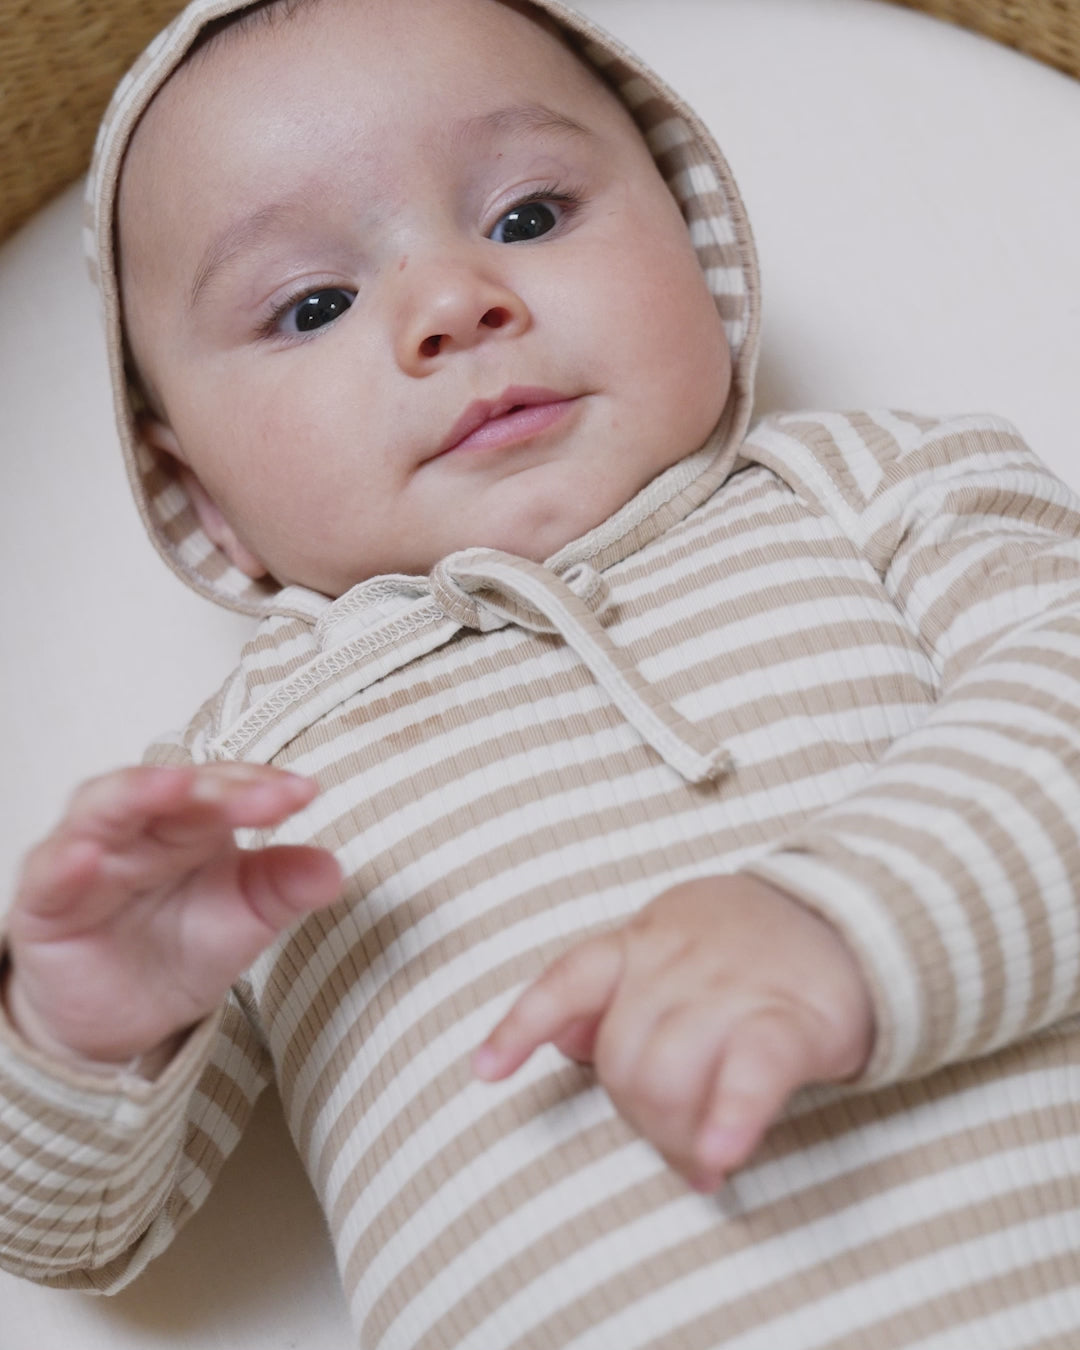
(309, 679)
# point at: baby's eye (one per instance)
(315, 310)
(527, 220)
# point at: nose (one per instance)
(452, 305)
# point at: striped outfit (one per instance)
(850, 670)
(840, 653)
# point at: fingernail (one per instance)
(208, 789)
(485, 1062)
(719, 1143)
(237, 770)
(706, 1185)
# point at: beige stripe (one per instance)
(707, 845)
(921, 931)
(1066, 1340)
(927, 952)
(1016, 562)
(789, 1139)
(787, 1292)
(966, 591)
(447, 816)
(542, 1095)
(1000, 842)
(757, 591)
(831, 457)
(728, 514)
(472, 712)
(792, 1291)
(995, 1293)
(91, 1230)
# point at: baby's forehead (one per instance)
(286, 17)
(223, 46)
(173, 158)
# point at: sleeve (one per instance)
(98, 1174)
(953, 870)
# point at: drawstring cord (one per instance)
(382, 624)
(485, 589)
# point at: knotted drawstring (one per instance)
(485, 589)
(383, 624)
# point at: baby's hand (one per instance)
(702, 1015)
(135, 915)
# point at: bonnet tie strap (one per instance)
(485, 589)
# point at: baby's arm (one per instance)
(131, 921)
(950, 872)
(702, 1015)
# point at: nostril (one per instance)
(430, 345)
(495, 318)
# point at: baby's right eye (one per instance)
(313, 309)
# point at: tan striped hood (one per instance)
(693, 168)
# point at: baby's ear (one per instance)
(160, 436)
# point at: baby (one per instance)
(726, 765)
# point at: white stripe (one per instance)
(696, 180)
(906, 434)
(558, 1203)
(667, 135)
(791, 679)
(624, 896)
(695, 570)
(863, 465)
(765, 1262)
(708, 230)
(759, 1184)
(725, 280)
(986, 537)
(1015, 608)
(866, 1301)
(1012, 1328)
(788, 624)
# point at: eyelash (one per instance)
(268, 323)
(570, 198)
(563, 194)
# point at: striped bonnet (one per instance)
(684, 150)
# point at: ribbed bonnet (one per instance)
(685, 152)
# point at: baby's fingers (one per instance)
(280, 884)
(234, 910)
(576, 990)
(132, 830)
(118, 809)
(766, 1059)
(101, 816)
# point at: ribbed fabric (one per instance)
(873, 624)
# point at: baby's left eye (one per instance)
(313, 310)
(527, 220)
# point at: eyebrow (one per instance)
(513, 122)
(516, 121)
(235, 240)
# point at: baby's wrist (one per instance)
(32, 1031)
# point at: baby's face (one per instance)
(404, 279)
